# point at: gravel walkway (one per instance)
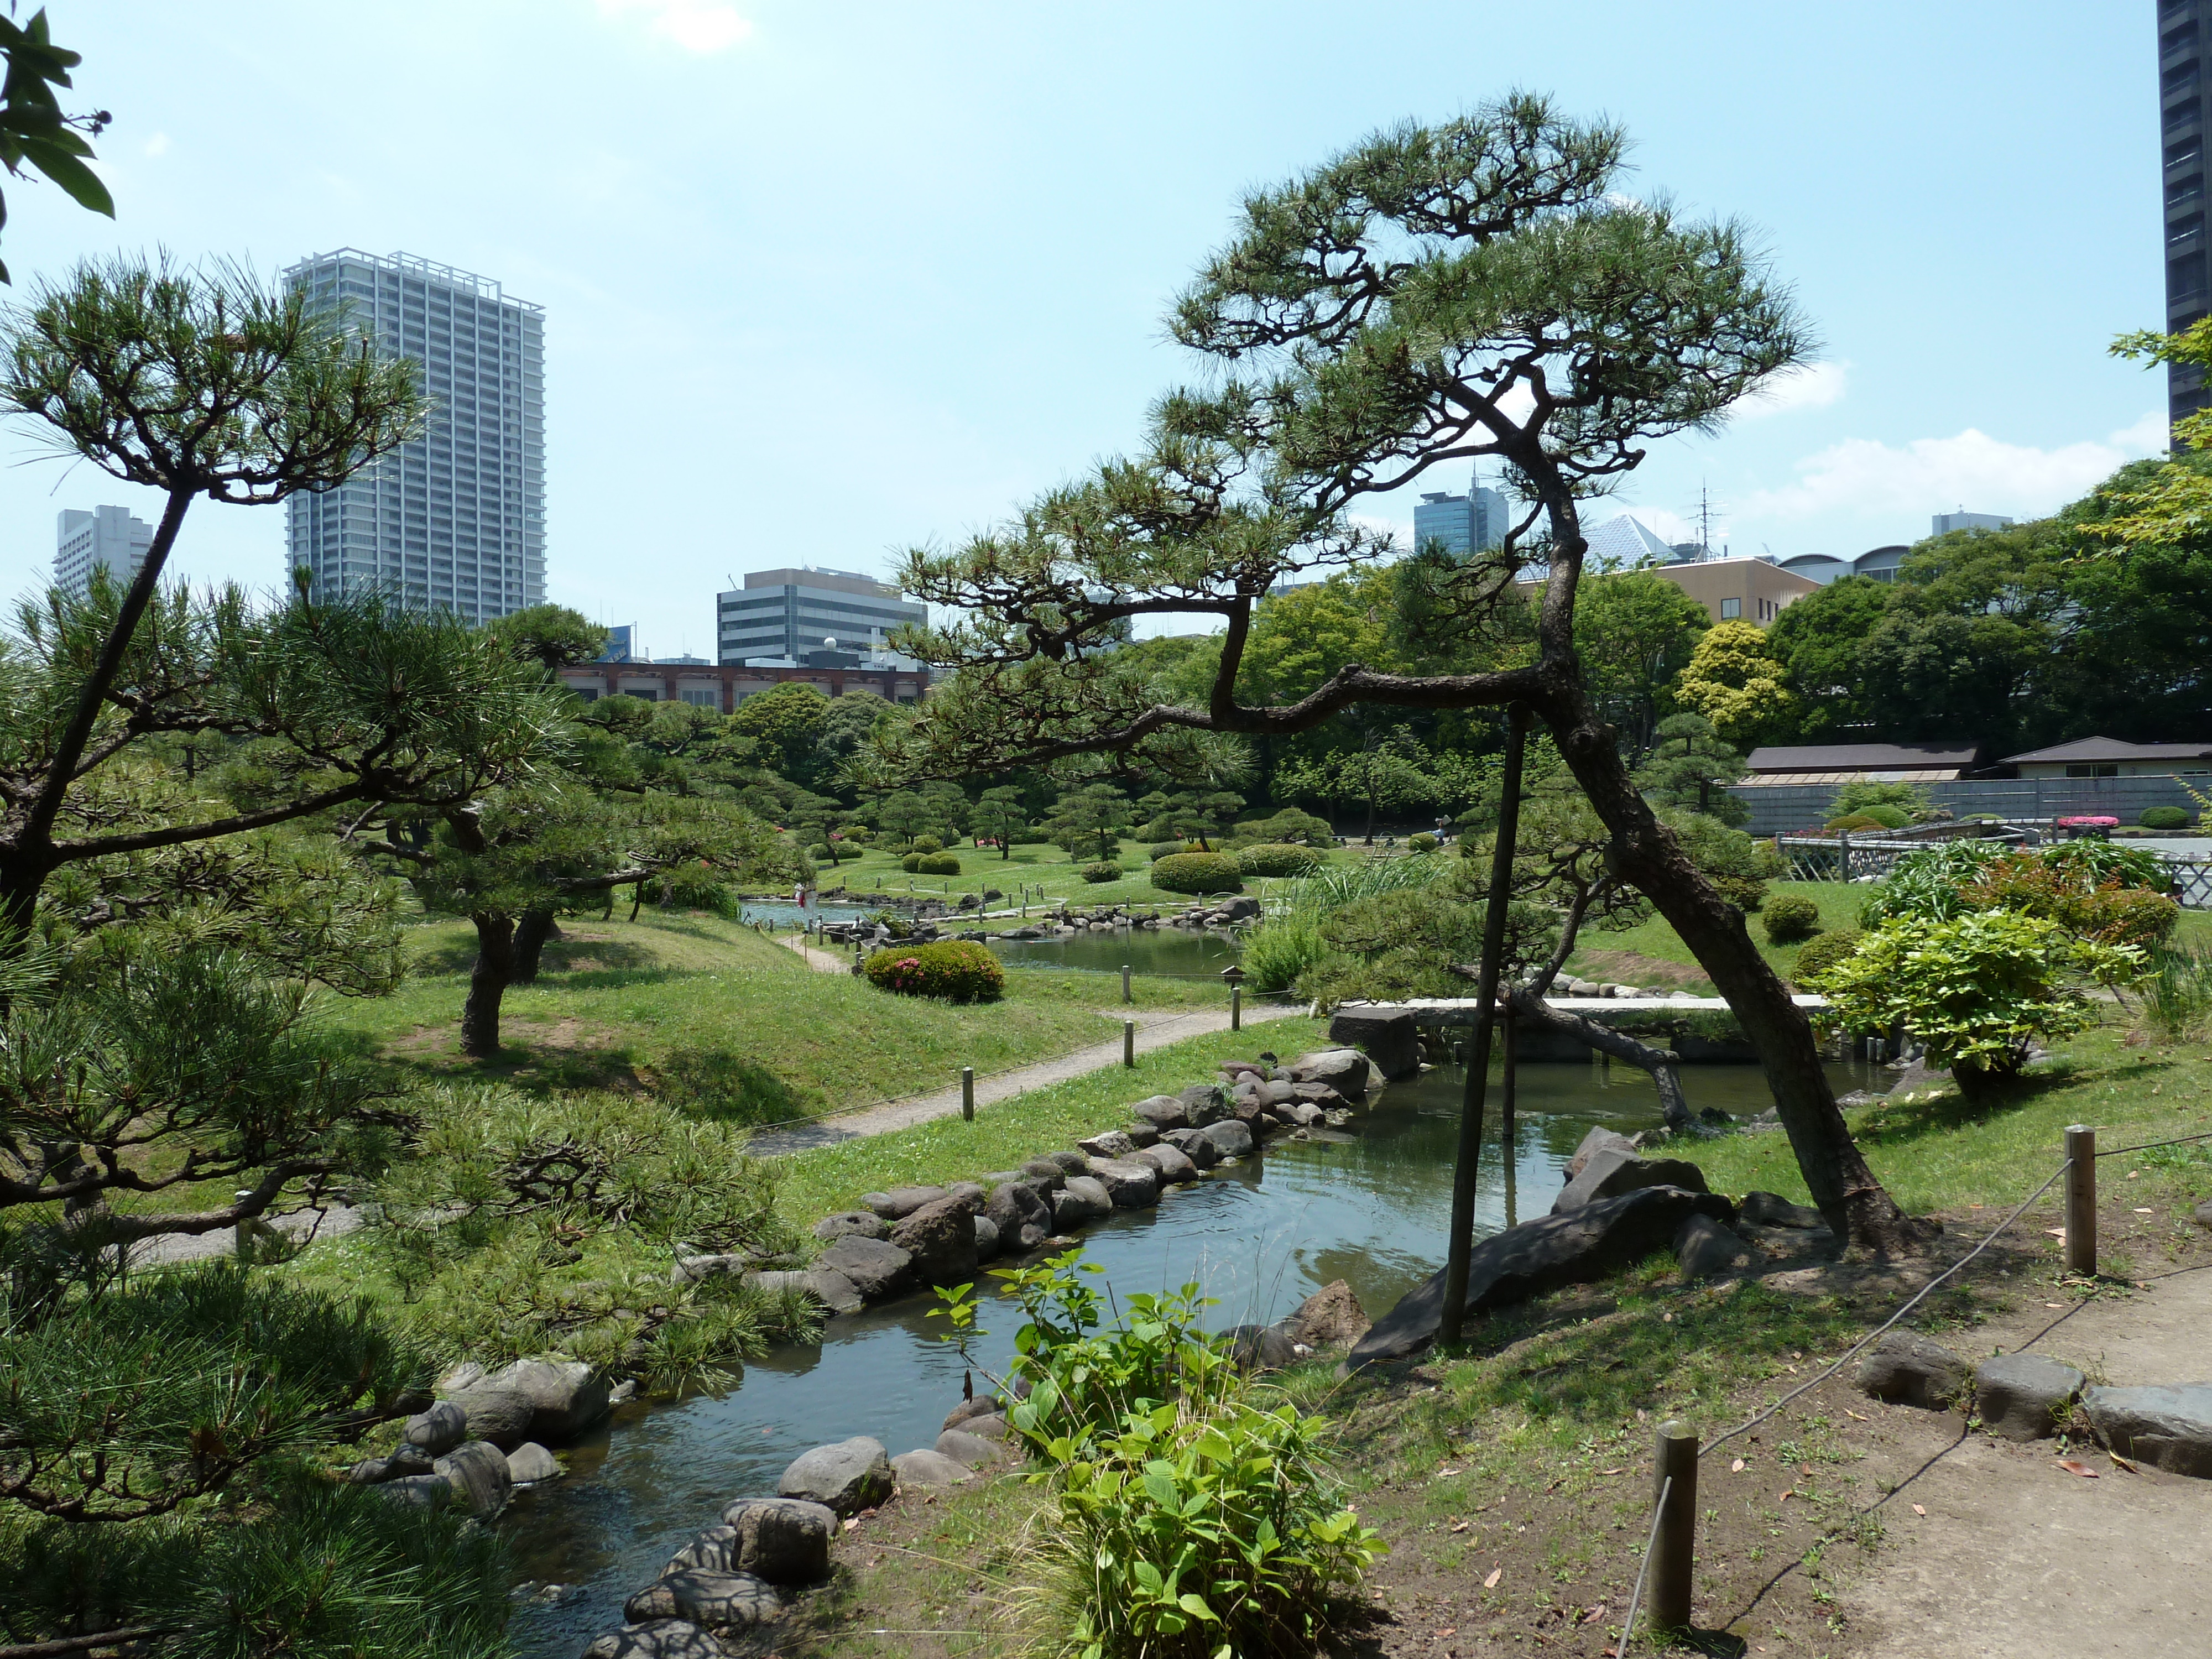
(162, 1249)
(1156, 1031)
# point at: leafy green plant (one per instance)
(1421, 842)
(1279, 860)
(1822, 953)
(926, 845)
(1790, 917)
(1977, 990)
(2164, 818)
(1926, 882)
(1105, 870)
(1280, 951)
(931, 864)
(2176, 993)
(1198, 872)
(1908, 801)
(958, 970)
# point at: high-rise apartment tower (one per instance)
(2184, 100)
(455, 520)
(110, 538)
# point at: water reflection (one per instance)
(1168, 951)
(1370, 1209)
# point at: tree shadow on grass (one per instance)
(725, 1087)
(1895, 1122)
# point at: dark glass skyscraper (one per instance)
(2182, 96)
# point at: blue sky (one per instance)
(823, 281)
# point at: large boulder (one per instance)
(530, 1462)
(1772, 1210)
(1262, 1347)
(717, 1601)
(1229, 1138)
(875, 1268)
(502, 1416)
(690, 1269)
(825, 1284)
(1908, 1368)
(1173, 1164)
(2169, 1427)
(848, 1477)
(987, 1237)
(1044, 1174)
(1204, 1104)
(900, 1202)
(1573, 1248)
(1021, 1216)
(927, 1469)
(417, 1491)
(658, 1639)
(1598, 1140)
(1193, 1145)
(2021, 1396)
(477, 1471)
(1390, 1040)
(785, 1540)
(831, 1228)
(1330, 1318)
(404, 1461)
(940, 1238)
(1131, 1185)
(437, 1430)
(1610, 1173)
(566, 1396)
(1083, 1199)
(1110, 1143)
(1163, 1112)
(1704, 1248)
(1344, 1070)
(965, 1446)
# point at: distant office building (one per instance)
(1474, 522)
(110, 538)
(1944, 523)
(1625, 542)
(2182, 123)
(1738, 590)
(785, 618)
(1878, 563)
(455, 520)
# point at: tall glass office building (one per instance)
(1464, 524)
(455, 520)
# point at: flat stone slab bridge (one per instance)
(1460, 1011)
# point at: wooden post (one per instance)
(1129, 1044)
(968, 1093)
(1676, 1543)
(1235, 1007)
(1460, 1242)
(1506, 1089)
(1126, 997)
(2081, 1200)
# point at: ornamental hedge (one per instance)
(2164, 818)
(1105, 870)
(1821, 954)
(930, 864)
(957, 970)
(1198, 872)
(1790, 917)
(1279, 858)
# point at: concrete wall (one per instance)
(1786, 808)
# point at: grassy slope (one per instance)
(1839, 904)
(621, 1004)
(1042, 869)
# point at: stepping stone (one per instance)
(927, 1470)
(718, 1600)
(845, 1477)
(1907, 1369)
(2169, 1427)
(2019, 1395)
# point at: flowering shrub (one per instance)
(958, 970)
(2088, 824)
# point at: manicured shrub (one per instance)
(1421, 842)
(1198, 872)
(937, 864)
(957, 970)
(832, 852)
(911, 864)
(1279, 860)
(926, 845)
(1855, 823)
(1105, 870)
(1823, 952)
(1168, 849)
(1889, 818)
(1790, 917)
(2164, 818)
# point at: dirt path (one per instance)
(1153, 1031)
(2016, 1558)
(822, 962)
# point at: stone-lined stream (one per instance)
(1370, 1210)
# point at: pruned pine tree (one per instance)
(1480, 288)
(1692, 766)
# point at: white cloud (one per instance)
(1815, 386)
(156, 147)
(1937, 475)
(700, 26)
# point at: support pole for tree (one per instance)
(1460, 1242)
(2081, 1200)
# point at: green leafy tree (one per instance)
(1634, 633)
(1094, 814)
(33, 130)
(1000, 816)
(1821, 642)
(1692, 767)
(1436, 293)
(787, 724)
(1735, 681)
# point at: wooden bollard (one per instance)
(1129, 1044)
(2081, 1200)
(1675, 1546)
(1235, 1007)
(968, 1092)
(1126, 997)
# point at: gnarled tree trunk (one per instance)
(531, 935)
(487, 982)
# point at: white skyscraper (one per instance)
(110, 538)
(455, 520)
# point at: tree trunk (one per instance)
(1663, 1064)
(636, 900)
(531, 933)
(488, 983)
(1647, 855)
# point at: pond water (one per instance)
(1173, 952)
(782, 913)
(1260, 1237)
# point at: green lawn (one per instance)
(714, 1014)
(1598, 952)
(1048, 874)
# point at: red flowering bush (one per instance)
(958, 970)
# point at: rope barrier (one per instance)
(1920, 1297)
(1658, 1511)
(2149, 1145)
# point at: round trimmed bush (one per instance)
(1167, 849)
(911, 864)
(937, 864)
(1198, 872)
(1277, 859)
(1422, 841)
(926, 845)
(1855, 823)
(1105, 870)
(1825, 952)
(2164, 818)
(832, 852)
(955, 970)
(1790, 917)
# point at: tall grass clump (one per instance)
(2177, 994)
(1279, 952)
